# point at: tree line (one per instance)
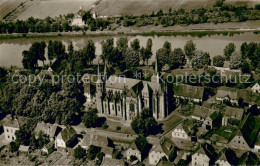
(219, 14)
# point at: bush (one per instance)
(118, 128)
(14, 146)
(133, 158)
(257, 7)
(79, 153)
(105, 126)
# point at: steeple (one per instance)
(156, 69)
(105, 70)
(156, 76)
(99, 75)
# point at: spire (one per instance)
(105, 70)
(99, 75)
(156, 65)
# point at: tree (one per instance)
(245, 68)
(70, 50)
(79, 152)
(142, 54)
(89, 52)
(162, 56)
(189, 49)
(42, 52)
(92, 152)
(145, 123)
(14, 146)
(177, 58)
(218, 61)
(122, 44)
(148, 50)
(107, 50)
(50, 51)
(90, 118)
(135, 45)
(29, 62)
(131, 58)
(43, 139)
(229, 49)
(167, 46)
(200, 59)
(23, 136)
(235, 60)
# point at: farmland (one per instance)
(7, 6)
(43, 8)
(138, 7)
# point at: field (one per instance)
(7, 6)
(43, 8)
(137, 7)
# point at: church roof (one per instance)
(189, 91)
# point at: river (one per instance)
(11, 49)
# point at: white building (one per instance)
(133, 151)
(11, 126)
(222, 160)
(77, 21)
(256, 88)
(200, 158)
(181, 132)
(156, 154)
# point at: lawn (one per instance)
(225, 132)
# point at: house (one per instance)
(250, 98)
(48, 148)
(200, 113)
(23, 148)
(77, 21)
(133, 151)
(108, 151)
(232, 114)
(163, 149)
(46, 128)
(200, 157)
(256, 88)
(212, 121)
(11, 126)
(111, 161)
(96, 140)
(192, 93)
(65, 137)
(226, 93)
(238, 141)
(224, 159)
(182, 131)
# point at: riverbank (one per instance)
(195, 30)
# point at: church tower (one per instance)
(156, 76)
(99, 92)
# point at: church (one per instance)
(126, 97)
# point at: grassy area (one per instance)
(113, 127)
(223, 131)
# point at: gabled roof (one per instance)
(249, 96)
(133, 145)
(189, 91)
(202, 112)
(227, 92)
(165, 146)
(46, 128)
(111, 161)
(107, 150)
(96, 140)
(16, 122)
(232, 112)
